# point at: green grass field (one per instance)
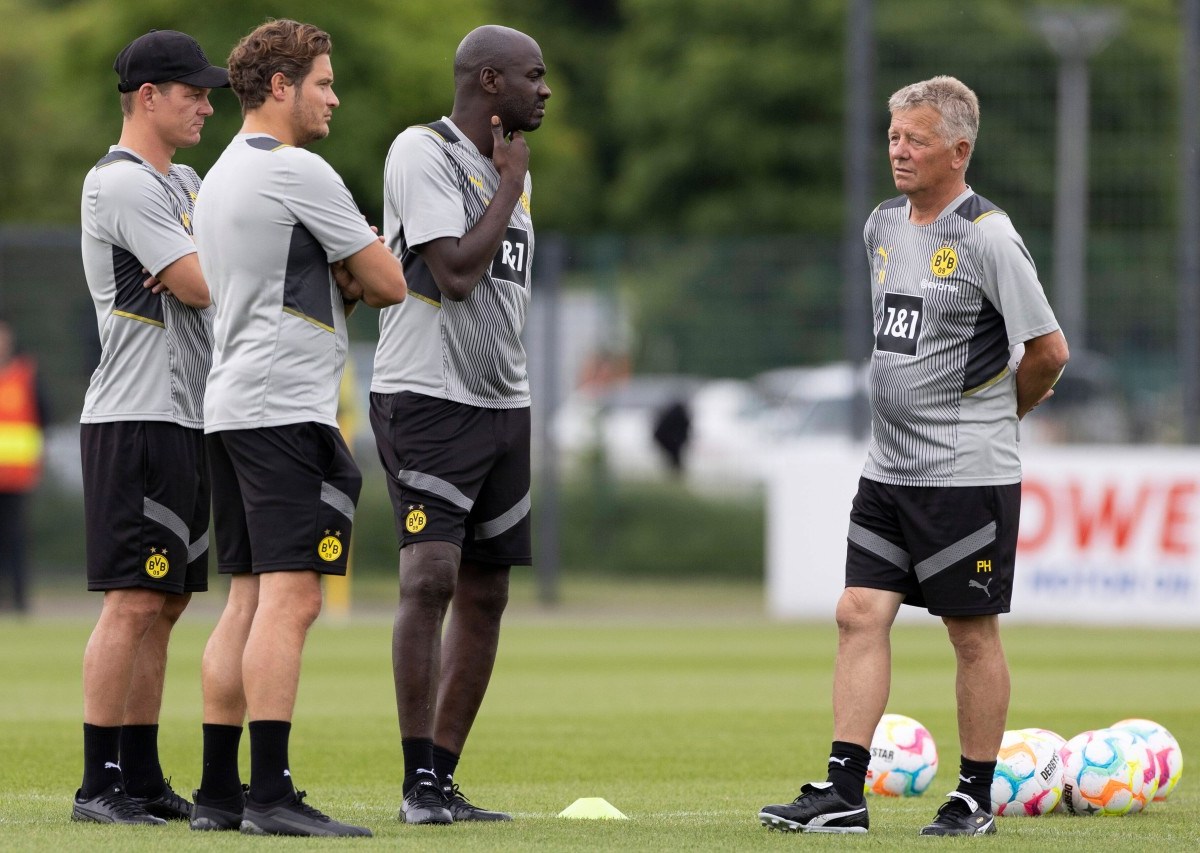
(683, 707)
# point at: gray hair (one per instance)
(954, 102)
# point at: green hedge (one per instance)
(653, 530)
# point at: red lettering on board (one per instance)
(1178, 519)
(1108, 517)
(1037, 503)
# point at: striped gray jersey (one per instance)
(949, 299)
(437, 184)
(155, 350)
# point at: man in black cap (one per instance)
(145, 474)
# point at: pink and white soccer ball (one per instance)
(1029, 775)
(1058, 740)
(1168, 757)
(904, 758)
(1104, 773)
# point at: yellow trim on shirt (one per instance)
(425, 299)
(139, 318)
(987, 384)
(308, 319)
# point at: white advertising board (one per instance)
(1109, 535)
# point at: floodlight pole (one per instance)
(547, 512)
(1074, 35)
(1189, 222)
(859, 84)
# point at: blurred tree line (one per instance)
(706, 117)
(693, 151)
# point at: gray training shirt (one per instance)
(950, 298)
(437, 184)
(155, 350)
(270, 221)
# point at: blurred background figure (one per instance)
(672, 429)
(23, 417)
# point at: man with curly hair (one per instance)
(288, 255)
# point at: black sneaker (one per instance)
(461, 808)
(293, 816)
(425, 803)
(961, 816)
(819, 808)
(112, 805)
(167, 805)
(219, 815)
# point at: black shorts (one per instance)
(283, 498)
(145, 505)
(457, 473)
(951, 550)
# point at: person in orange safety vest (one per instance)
(22, 419)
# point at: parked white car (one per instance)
(730, 426)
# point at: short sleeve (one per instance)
(133, 210)
(422, 192)
(319, 199)
(1012, 283)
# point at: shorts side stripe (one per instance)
(198, 547)
(949, 556)
(488, 529)
(156, 512)
(878, 546)
(436, 486)
(338, 499)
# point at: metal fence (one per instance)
(697, 306)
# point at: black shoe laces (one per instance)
(428, 794)
(956, 808)
(453, 792)
(122, 805)
(169, 798)
(811, 793)
(310, 811)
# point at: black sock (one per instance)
(220, 779)
(270, 778)
(848, 769)
(445, 763)
(975, 780)
(418, 758)
(101, 759)
(139, 761)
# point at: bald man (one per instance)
(450, 401)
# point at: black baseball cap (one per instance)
(162, 56)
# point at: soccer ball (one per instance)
(1058, 739)
(1104, 773)
(1029, 775)
(1168, 757)
(904, 757)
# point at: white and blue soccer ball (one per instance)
(1104, 773)
(1029, 774)
(904, 758)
